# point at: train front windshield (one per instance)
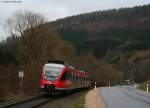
(51, 73)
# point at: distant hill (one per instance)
(133, 18)
(124, 29)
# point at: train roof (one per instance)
(61, 64)
(57, 62)
(54, 65)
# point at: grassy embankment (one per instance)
(143, 86)
(79, 103)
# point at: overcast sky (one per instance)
(55, 9)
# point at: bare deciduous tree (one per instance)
(23, 20)
(36, 43)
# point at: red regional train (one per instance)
(56, 76)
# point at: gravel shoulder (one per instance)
(93, 100)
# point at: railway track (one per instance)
(40, 101)
(30, 103)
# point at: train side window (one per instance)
(69, 76)
(82, 78)
(74, 78)
(66, 76)
(77, 78)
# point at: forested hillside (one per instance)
(114, 36)
(124, 29)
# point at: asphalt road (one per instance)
(124, 97)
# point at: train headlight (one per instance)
(57, 77)
(45, 77)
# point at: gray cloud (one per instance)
(54, 9)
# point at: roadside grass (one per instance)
(143, 86)
(79, 103)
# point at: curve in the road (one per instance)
(121, 97)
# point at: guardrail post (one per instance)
(147, 88)
(95, 85)
(109, 84)
(135, 85)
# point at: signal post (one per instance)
(21, 75)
